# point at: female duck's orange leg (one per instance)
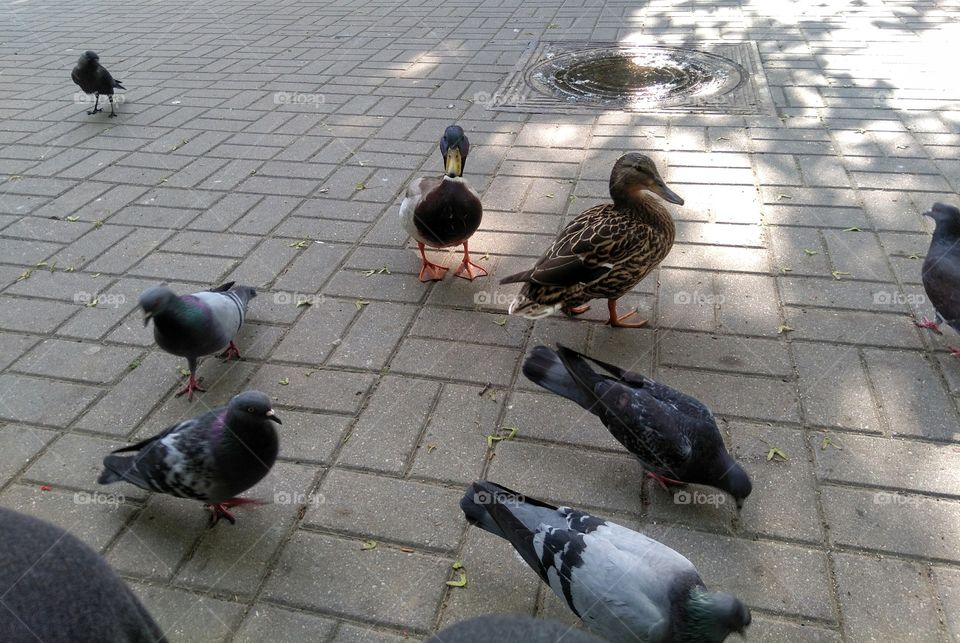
(575, 310)
(430, 271)
(471, 269)
(617, 319)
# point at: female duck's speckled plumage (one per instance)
(606, 250)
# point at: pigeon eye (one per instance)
(250, 409)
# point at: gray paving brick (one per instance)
(283, 626)
(457, 361)
(184, 616)
(889, 521)
(769, 575)
(213, 565)
(911, 395)
(352, 503)
(33, 400)
(884, 598)
(18, 445)
(373, 336)
(322, 390)
(95, 523)
(408, 596)
(312, 267)
(884, 462)
(77, 360)
(127, 403)
(390, 425)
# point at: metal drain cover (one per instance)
(579, 77)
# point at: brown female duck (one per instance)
(606, 250)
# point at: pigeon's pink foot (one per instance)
(192, 385)
(469, 270)
(221, 509)
(570, 311)
(430, 271)
(929, 324)
(232, 351)
(954, 351)
(664, 481)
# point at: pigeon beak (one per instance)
(146, 318)
(740, 504)
(271, 415)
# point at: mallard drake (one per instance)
(444, 211)
(606, 250)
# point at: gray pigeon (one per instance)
(212, 457)
(196, 325)
(673, 435)
(941, 270)
(511, 628)
(623, 585)
(55, 588)
(92, 78)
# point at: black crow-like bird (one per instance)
(92, 78)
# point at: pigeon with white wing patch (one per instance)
(622, 584)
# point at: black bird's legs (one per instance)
(112, 113)
(95, 103)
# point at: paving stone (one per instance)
(77, 360)
(372, 338)
(311, 268)
(499, 583)
(483, 328)
(739, 354)
(768, 575)
(885, 598)
(456, 361)
(353, 503)
(765, 629)
(128, 402)
(76, 461)
(607, 481)
(886, 462)
(18, 445)
(771, 399)
(835, 388)
(33, 315)
(848, 327)
(546, 417)
(349, 633)
(385, 585)
(322, 390)
(235, 563)
(890, 521)
(947, 584)
(94, 519)
(281, 625)
(390, 425)
(318, 331)
(13, 346)
(184, 616)
(31, 400)
(912, 396)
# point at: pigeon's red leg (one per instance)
(221, 509)
(430, 271)
(192, 385)
(954, 351)
(929, 324)
(467, 266)
(616, 319)
(570, 311)
(664, 481)
(232, 351)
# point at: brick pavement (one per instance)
(268, 143)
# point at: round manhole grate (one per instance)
(636, 76)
